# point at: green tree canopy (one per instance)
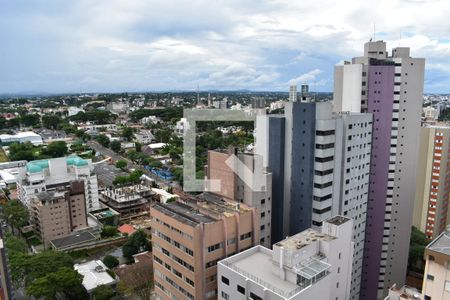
(110, 261)
(51, 121)
(103, 140)
(16, 214)
(121, 164)
(56, 149)
(24, 151)
(115, 146)
(103, 292)
(109, 231)
(128, 133)
(136, 243)
(63, 280)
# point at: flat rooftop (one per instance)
(244, 263)
(73, 239)
(303, 239)
(183, 213)
(338, 220)
(95, 274)
(441, 244)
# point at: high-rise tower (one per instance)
(391, 88)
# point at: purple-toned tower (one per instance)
(391, 88)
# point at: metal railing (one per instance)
(263, 283)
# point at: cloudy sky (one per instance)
(62, 46)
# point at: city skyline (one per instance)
(58, 47)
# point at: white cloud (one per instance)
(254, 44)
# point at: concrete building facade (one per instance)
(49, 174)
(59, 213)
(392, 90)
(436, 278)
(431, 214)
(309, 265)
(128, 201)
(190, 238)
(234, 189)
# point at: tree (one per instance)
(103, 140)
(121, 164)
(23, 151)
(16, 214)
(136, 243)
(115, 146)
(110, 261)
(51, 121)
(128, 133)
(63, 280)
(138, 146)
(15, 245)
(109, 231)
(103, 292)
(418, 242)
(56, 149)
(30, 120)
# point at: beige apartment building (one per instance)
(431, 213)
(190, 238)
(436, 279)
(234, 189)
(58, 213)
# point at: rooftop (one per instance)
(183, 213)
(338, 220)
(441, 244)
(244, 263)
(95, 274)
(303, 239)
(73, 239)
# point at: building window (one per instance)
(246, 236)
(431, 257)
(255, 297)
(241, 289)
(447, 286)
(214, 247)
(225, 280)
(430, 277)
(225, 295)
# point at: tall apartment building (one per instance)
(293, 93)
(309, 265)
(323, 171)
(436, 278)
(49, 174)
(431, 213)
(58, 213)
(190, 238)
(5, 281)
(234, 189)
(391, 88)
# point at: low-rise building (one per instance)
(190, 238)
(128, 201)
(436, 278)
(58, 213)
(144, 137)
(308, 265)
(403, 293)
(94, 275)
(21, 137)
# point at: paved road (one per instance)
(130, 164)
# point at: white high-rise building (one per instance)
(48, 174)
(309, 265)
(391, 88)
(293, 93)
